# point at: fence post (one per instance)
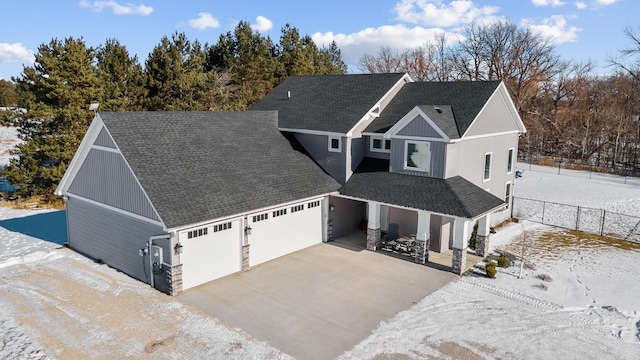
(543, 206)
(604, 213)
(578, 219)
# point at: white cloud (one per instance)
(368, 41)
(606, 2)
(438, 13)
(128, 9)
(262, 24)
(204, 21)
(555, 27)
(12, 53)
(580, 5)
(547, 2)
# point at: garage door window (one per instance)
(313, 204)
(195, 233)
(280, 212)
(260, 217)
(222, 227)
(297, 208)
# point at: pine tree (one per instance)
(121, 78)
(56, 91)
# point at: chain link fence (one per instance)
(589, 220)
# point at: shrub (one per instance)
(503, 261)
(545, 277)
(474, 234)
(491, 269)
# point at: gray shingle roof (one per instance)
(333, 103)
(454, 196)
(197, 166)
(466, 99)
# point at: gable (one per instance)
(420, 127)
(104, 139)
(105, 177)
(497, 116)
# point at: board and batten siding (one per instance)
(112, 237)
(375, 154)
(437, 158)
(105, 177)
(334, 163)
(104, 139)
(419, 127)
(357, 152)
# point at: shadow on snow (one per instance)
(49, 226)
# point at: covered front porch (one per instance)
(416, 217)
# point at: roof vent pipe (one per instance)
(289, 94)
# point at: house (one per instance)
(177, 199)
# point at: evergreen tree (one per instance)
(8, 94)
(121, 78)
(177, 77)
(301, 56)
(56, 92)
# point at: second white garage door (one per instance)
(284, 230)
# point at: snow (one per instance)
(55, 303)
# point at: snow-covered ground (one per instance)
(55, 303)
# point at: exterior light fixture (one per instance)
(247, 230)
(178, 249)
(332, 208)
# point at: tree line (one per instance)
(573, 117)
(178, 74)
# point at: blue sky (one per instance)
(582, 30)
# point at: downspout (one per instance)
(149, 243)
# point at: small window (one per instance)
(335, 144)
(507, 194)
(279, 212)
(510, 161)
(380, 145)
(222, 227)
(417, 156)
(297, 208)
(196, 233)
(260, 217)
(313, 204)
(487, 167)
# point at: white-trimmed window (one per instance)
(335, 143)
(510, 153)
(260, 217)
(487, 167)
(507, 193)
(196, 233)
(417, 156)
(297, 208)
(222, 227)
(378, 144)
(313, 204)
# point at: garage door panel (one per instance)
(280, 235)
(212, 256)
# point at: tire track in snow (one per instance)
(518, 297)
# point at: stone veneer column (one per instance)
(458, 261)
(460, 243)
(373, 239)
(174, 279)
(482, 237)
(423, 237)
(373, 226)
(245, 257)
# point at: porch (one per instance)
(357, 241)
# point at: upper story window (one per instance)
(335, 144)
(510, 161)
(417, 156)
(487, 167)
(380, 144)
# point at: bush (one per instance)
(491, 269)
(474, 235)
(503, 261)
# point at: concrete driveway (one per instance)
(318, 302)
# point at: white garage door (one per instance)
(284, 230)
(210, 254)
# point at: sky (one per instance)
(582, 30)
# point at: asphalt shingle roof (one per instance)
(197, 166)
(455, 196)
(465, 98)
(333, 103)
